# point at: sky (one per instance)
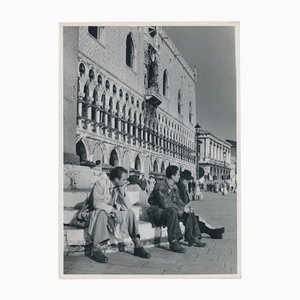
(212, 51)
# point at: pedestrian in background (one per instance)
(143, 182)
(151, 184)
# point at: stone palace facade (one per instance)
(129, 99)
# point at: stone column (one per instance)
(89, 115)
(80, 113)
(105, 120)
(215, 151)
(97, 120)
(70, 66)
(112, 118)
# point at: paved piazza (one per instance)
(218, 257)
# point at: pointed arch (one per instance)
(98, 153)
(129, 51)
(114, 158)
(126, 162)
(155, 166)
(82, 149)
(118, 107)
(163, 168)
(137, 163)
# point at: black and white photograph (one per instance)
(150, 160)
(149, 149)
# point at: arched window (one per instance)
(129, 51)
(190, 112)
(128, 122)
(81, 151)
(114, 90)
(107, 85)
(99, 79)
(114, 160)
(179, 102)
(155, 166)
(151, 76)
(137, 163)
(165, 83)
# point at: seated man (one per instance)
(215, 233)
(109, 213)
(166, 208)
(187, 216)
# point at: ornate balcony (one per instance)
(152, 96)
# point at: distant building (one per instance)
(233, 161)
(135, 99)
(213, 153)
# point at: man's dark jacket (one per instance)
(163, 197)
(184, 196)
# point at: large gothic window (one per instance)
(129, 51)
(190, 112)
(179, 102)
(165, 83)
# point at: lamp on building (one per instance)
(197, 128)
(224, 177)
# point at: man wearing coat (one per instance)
(109, 214)
(182, 184)
(163, 211)
(167, 209)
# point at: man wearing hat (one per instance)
(182, 184)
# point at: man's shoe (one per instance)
(216, 236)
(215, 233)
(219, 230)
(121, 247)
(99, 256)
(196, 242)
(176, 247)
(141, 252)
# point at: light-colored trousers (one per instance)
(102, 226)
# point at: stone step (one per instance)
(77, 241)
(74, 197)
(139, 211)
